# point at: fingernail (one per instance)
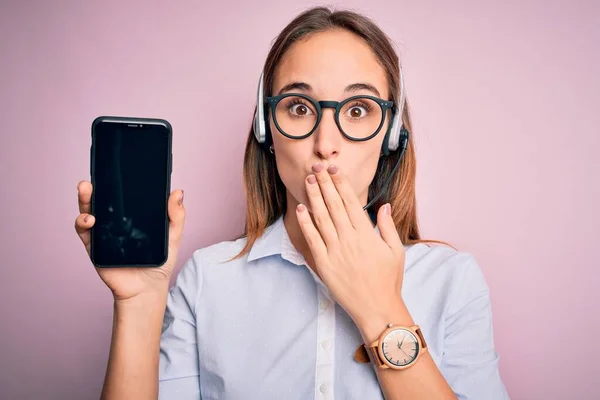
(317, 167)
(86, 218)
(332, 169)
(181, 198)
(301, 207)
(388, 209)
(312, 179)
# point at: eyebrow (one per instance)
(305, 87)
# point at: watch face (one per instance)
(400, 347)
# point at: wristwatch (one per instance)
(398, 347)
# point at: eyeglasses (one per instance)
(359, 118)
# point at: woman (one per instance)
(297, 307)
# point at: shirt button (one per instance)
(324, 305)
(323, 388)
(325, 344)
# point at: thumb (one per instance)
(387, 228)
(176, 211)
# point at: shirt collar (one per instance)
(275, 240)
(270, 242)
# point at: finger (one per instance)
(332, 198)
(317, 247)
(84, 194)
(320, 212)
(357, 215)
(83, 224)
(176, 212)
(387, 228)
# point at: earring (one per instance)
(271, 150)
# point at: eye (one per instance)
(300, 110)
(297, 107)
(358, 110)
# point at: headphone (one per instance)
(395, 138)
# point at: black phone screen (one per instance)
(131, 168)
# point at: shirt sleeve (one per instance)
(178, 361)
(470, 361)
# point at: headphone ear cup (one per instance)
(262, 131)
(395, 131)
(391, 142)
(385, 146)
(403, 138)
(268, 138)
(258, 125)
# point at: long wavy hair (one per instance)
(266, 193)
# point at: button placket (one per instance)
(325, 349)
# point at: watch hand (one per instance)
(405, 353)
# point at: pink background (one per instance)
(505, 100)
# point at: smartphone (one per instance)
(131, 163)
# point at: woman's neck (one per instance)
(290, 221)
(294, 231)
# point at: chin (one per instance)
(299, 197)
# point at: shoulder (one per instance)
(218, 256)
(444, 261)
(215, 261)
(213, 256)
(455, 275)
(219, 253)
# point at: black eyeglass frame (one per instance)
(385, 105)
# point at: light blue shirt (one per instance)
(264, 326)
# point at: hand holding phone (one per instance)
(129, 222)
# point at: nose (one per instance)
(327, 136)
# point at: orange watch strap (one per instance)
(418, 331)
(365, 354)
(361, 355)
